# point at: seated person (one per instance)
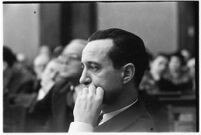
(39, 64)
(54, 104)
(191, 71)
(17, 82)
(186, 54)
(152, 78)
(16, 78)
(45, 50)
(177, 74)
(113, 63)
(64, 91)
(40, 110)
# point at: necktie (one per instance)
(100, 117)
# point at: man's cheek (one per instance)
(104, 98)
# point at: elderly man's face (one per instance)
(70, 61)
(98, 69)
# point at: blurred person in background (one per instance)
(186, 54)
(45, 49)
(16, 78)
(191, 68)
(53, 109)
(177, 74)
(48, 79)
(17, 83)
(22, 59)
(152, 79)
(39, 65)
(152, 83)
(40, 110)
(64, 92)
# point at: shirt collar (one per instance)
(108, 116)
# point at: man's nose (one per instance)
(85, 79)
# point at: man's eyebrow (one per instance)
(91, 62)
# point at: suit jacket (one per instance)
(133, 119)
(39, 114)
(62, 114)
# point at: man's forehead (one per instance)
(98, 46)
(97, 50)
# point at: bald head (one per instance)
(75, 46)
(70, 59)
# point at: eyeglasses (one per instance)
(63, 58)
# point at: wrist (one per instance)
(80, 127)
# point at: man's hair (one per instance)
(162, 55)
(9, 56)
(178, 55)
(127, 48)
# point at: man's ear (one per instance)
(128, 72)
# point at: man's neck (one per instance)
(128, 96)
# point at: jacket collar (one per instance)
(122, 120)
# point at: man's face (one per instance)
(70, 61)
(98, 69)
(49, 73)
(159, 64)
(39, 64)
(175, 63)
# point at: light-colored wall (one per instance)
(154, 22)
(21, 28)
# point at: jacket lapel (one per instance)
(123, 120)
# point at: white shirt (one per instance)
(85, 127)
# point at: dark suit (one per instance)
(51, 114)
(39, 114)
(133, 119)
(62, 114)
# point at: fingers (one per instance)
(99, 92)
(88, 105)
(92, 90)
(84, 91)
(91, 93)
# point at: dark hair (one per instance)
(9, 56)
(161, 54)
(180, 56)
(127, 48)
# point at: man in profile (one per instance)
(114, 62)
(53, 109)
(63, 93)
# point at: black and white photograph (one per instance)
(100, 67)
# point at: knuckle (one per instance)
(90, 97)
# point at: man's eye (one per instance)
(94, 68)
